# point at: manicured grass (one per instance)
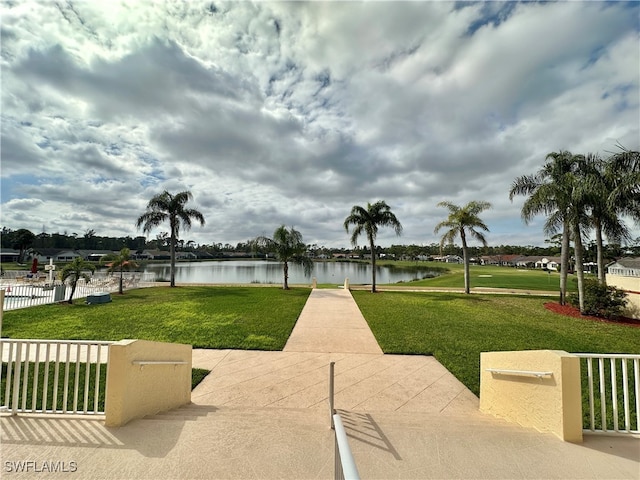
(491, 276)
(206, 317)
(455, 328)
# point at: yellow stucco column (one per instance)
(534, 388)
(145, 378)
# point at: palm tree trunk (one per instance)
(73, 290)
(373, 266)
(600, 255)
(120, 290)
(579, 265)
(564, 263)
(172, 247)
(285, 268)
(465, 259)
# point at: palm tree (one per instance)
(624, 168)
(549, 192)
(462, 222)
(598, 180)
(163, 207)
(367, 220)
(75, 271)
(119, 263)
(288, 246)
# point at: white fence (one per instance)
(27, 293)
(53, 376)
(613, 386)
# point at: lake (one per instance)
(259, 271)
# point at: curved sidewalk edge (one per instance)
(331, 322)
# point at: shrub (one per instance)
(600, 300)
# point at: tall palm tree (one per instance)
(119, 262)
(288, 246)
(549, 192)
(166, 206)
(579, 221)
(367, 220)
(75, 270)
(463, 221)
(599, 179)
(624, 169)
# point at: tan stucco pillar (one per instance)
(145, 378)
(534, 388)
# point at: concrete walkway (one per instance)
(331, 322)
(263, 415)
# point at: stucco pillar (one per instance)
(534, 388)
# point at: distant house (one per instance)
(625, 275)
(625, 267)
(8, 255)
(95, 255)
(145, 255)
(548, 263)
(58, 255)
(204, 255)
(451, 259)
(503, 260)
(154, 255)
(490, 260)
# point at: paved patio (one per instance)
(265, 415)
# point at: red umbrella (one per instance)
(34, 266)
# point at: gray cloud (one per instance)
(286, 112)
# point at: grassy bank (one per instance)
(206, 317)
(489, 276)
(455, 328)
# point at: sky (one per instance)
(274, 113)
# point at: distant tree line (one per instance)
(25, 239)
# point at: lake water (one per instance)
(271, 272)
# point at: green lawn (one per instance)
(455, 328)
(206, 317)
(488, 276)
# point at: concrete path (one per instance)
(363, 382)
(331, 322)
(263, 415)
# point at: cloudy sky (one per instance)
(290, 113)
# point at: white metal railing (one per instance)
(22, 295)
(52, 376)
(345, 465)
(613, 390)
(332, 410)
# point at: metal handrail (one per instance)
(332, 410)
(519, 373)
(344, 463)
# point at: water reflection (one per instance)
(271, 272)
